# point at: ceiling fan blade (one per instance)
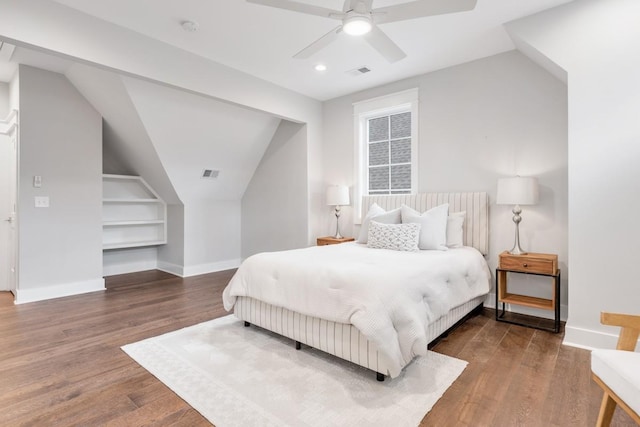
(301, 8)
(383, 44)
(319, 44)
(421, 8)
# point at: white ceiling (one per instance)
(261, 41)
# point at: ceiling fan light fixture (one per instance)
(356, 25)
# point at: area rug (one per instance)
(237, 376)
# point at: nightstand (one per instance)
(531, 263)
(330, 240)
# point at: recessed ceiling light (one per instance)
(321, 67)
(190, 26)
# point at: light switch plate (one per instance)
(37, 181)
(42, 201)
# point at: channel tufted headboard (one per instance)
(476, 204)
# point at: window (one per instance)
(389, 154)
(386, 152)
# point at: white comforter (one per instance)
(390, 296)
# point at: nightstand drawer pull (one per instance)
(525, 265)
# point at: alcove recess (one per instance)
(133, 214)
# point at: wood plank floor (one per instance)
(61, 363)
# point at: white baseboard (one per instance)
(589, 339)
(174, 269)
(110, 270)
(194, 270)
(58, 291)
(490, 302)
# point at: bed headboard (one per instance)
(476, 204)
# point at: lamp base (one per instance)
(517, 250)
(337, 212)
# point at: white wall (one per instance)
(597, 42)
(490, 118)
(60, 247)
(4, 100)
(14, 92)
(170, 257)
(129, 260)
(211, 236)
(5, 157)
(274, 206)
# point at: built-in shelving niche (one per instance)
(133, 214)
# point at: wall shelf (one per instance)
(133, 215)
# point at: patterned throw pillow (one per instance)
(397, 237)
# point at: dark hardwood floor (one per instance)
(61, 363)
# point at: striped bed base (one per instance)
(339, 339)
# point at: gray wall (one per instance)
(275, 204)
(60, 140)
(494, 117)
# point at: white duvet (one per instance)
(390, 296)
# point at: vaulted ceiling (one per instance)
(261, 41)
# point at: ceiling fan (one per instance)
(360, 19)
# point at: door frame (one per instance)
(10, 127)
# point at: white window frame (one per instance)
(399, 102)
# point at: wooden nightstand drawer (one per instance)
(529, 263)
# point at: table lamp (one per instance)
(337, 195)
(519, 190)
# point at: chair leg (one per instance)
(607, 408)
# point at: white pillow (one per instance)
(381, 216)
(455, 227)
(397, 237)
(433, 231)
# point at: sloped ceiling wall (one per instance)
(192, 132)
(124, 131)
(169, 136)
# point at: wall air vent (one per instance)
(210, 173)
(359, 71)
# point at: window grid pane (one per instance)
(379, 129)
(400, 177)
(401, 125)
(379, 153)
(379, 178)
(401, 151)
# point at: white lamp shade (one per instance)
(519, 190)
(338, 195)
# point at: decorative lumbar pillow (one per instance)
(397, 237)
(433, 230)
(455, 229)
(381, 216)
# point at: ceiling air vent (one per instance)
(359, 71)
(210, 173)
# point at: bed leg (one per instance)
(247, 324)
(298, 345)
(379, 376)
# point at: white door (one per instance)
(8, 218)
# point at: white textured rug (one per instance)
(237, 376)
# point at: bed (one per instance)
(375, 308)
